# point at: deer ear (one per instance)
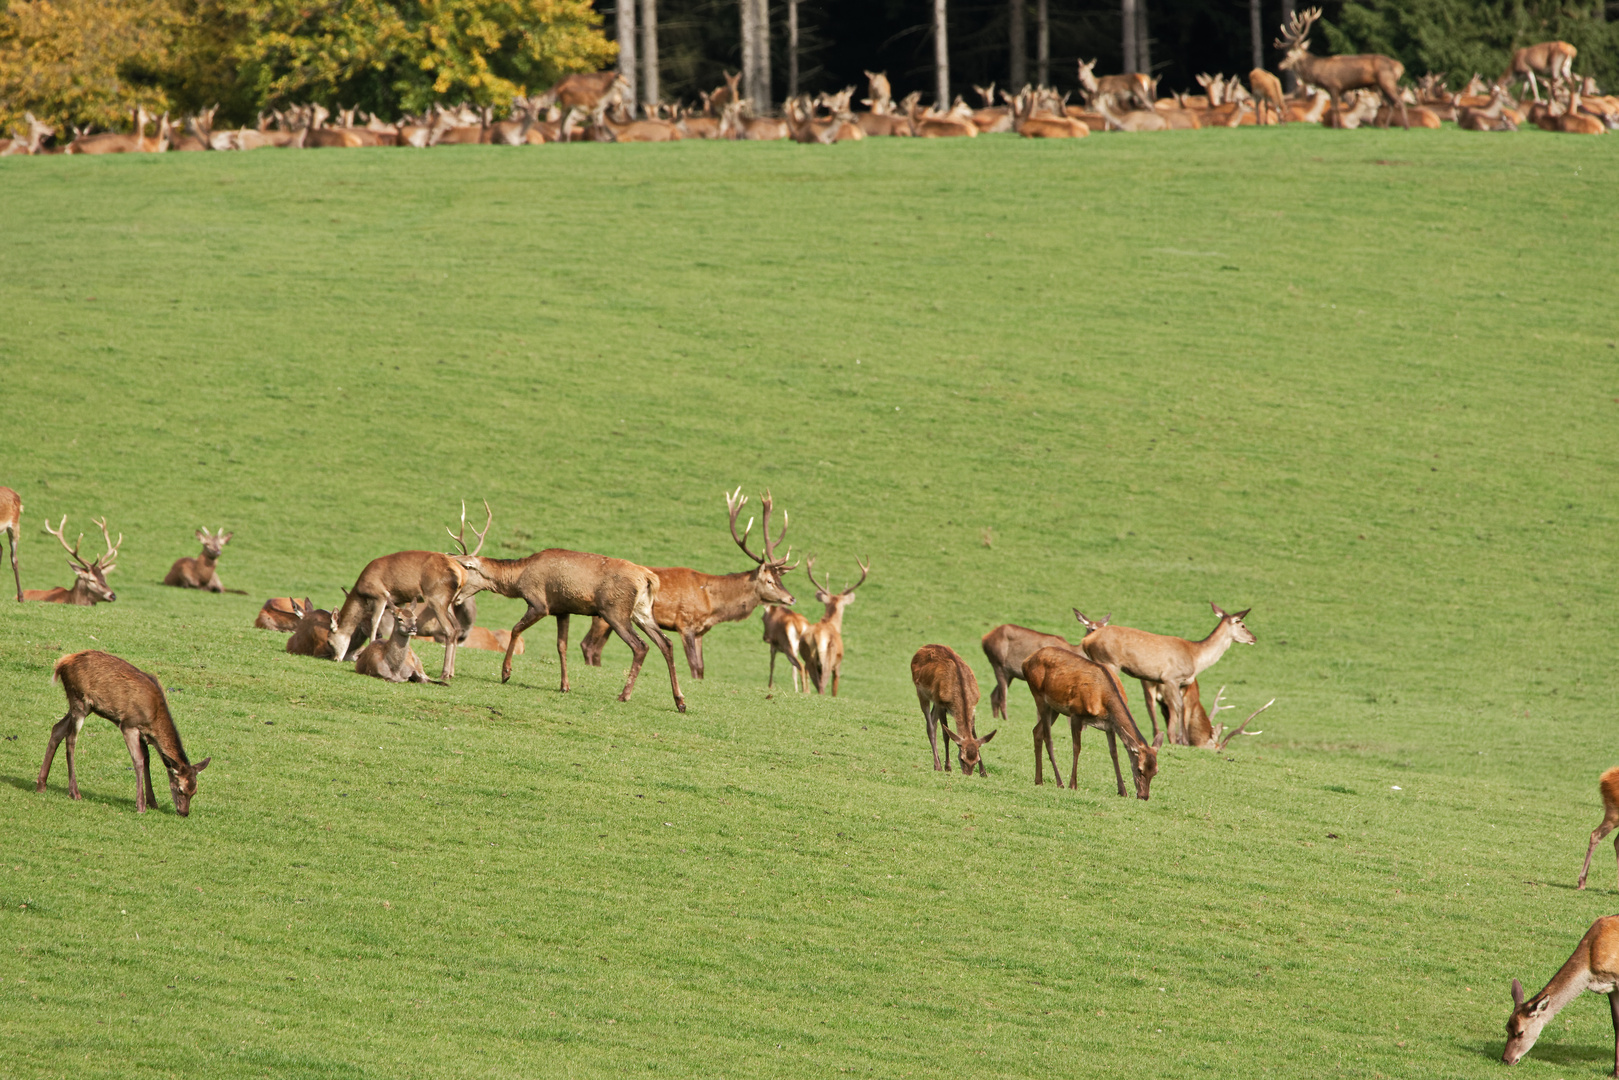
(1243, 614)
(1542, 1006)
(1517, 994)
(201, 765)
(1216, 608)
(988, 737)
(950, 736)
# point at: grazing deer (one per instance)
(201, 572)
(945, 687)
(282, 613)
(1007, 647)
(405, 576)
(1170, 662)
(1594, 966)
(90, 587)
(1267, 90)
(785, 632)
(392, 659)
(881, 101)
(1335, 74)
(100, 683)
(1064, 683)
(564, 583)
(1608, 786)
(313, 634)
(1553, 59)
(821, 647)
(693, 603)
(11, 525)
(1201, 732)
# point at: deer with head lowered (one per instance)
(1064, 683)
(11, 525)
(392, 659)
(1593, 966)
(1007, 647)
(91, 587)
(945, 687)
(405, 576)
(1165, 665)
(1553, 59)
(821, 647)
(693, 603)
(100, 683)
(203, 571)
(1335, 74)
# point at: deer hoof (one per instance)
(681, 706)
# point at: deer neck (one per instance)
(733, 596)
(206, 562)
(1571, 980)
(1206, 653)
(80, 595)
(834, 614)
(505, 574)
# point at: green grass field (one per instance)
(1365, 382)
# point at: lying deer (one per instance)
(1064, 683)
(1007, 647)
(312, 636)
(1608, 787)
(392, 660)
(90, 586)
(821, 648)
(785, 632)
(11, 525)
(282, 613)
(203, 571)
(1594, 966)
(1201, 730)
(946, 687)
(100, 683)
(693, 603)
(31, 143)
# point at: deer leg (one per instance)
(451, 625)
(1596, 834)
(64, 727)
(591, 647)
(562, 650)
(771, 683)
(1074, 729)
(656, 634)
(837, 669)
(1113, 748)
(637, 648)
(1151, 699)
(1613, 1008)
(530, 617)
(1533, 88)
(11, 541)
(1175, 720)
(930, 724)
(942, 718)
(132, 739)
(694, 651)
(146, 770)
(997, 696)
(1616, 847)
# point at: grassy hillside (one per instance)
(1364, 382)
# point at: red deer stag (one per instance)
(11, 525)
(821, 647)
(693, 603)
(1553, 59)
(1335, 74)
(1201, 730)
(406, 576)
(91, 587)
(1594, 966)
(100, 683)
(1066, 684)
(1169, 662)
(203, 571)
(945, 687)
(564, 583)
(392, 659)
(282, 613)
(1007, 647)
(1608, 786)
(785, 632)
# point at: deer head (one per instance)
(1145, 759)
(213, 544)
(1087, 77)
(1525, 1023)
(183, 782)
(93, 576)
(835, 602)
(1239, 633)
(1295, 39)
(768, 576)
(968, 750)
(1088, 624)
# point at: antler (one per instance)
(460, 539)
(1298, 28)
(108, 562)
(1221, 739)
(734, 502)
(809, 570)
(865, 568)
(770, 545)
(72, 552)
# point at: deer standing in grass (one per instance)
(946, 687)
(1267, 90)
(1064, 683)
(1007, 647)
(821, 647)
(11, 525)
(1115, 89)
(1553, 59)
(430, 576)
(203, 571)
(100, 683)
(90, 585)
(785, 630)
(1594, 966)
(1335, 74)
(1608, 786)
(392, 659)
(693, 603)
(1165, 665)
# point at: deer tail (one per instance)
(644, 597)
(56, 670)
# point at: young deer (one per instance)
(282, 613)
(693, 603)
(1608, 786)
(392, 660)
(203, 571)
(945, 687)
(91, 587)
(1007, 647)
(312, 636)
(821, 647)
(1267, 90)
(1170, 662)
(784, 632)
(1066, 684)
(1594, 966)
(11, 525)
(100, 683)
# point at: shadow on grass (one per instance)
(1569, 1054)
(26, 783)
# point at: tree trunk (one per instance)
(792, 48)
(941, 55)
(626, 45)
(1018, 41)
(1042, 43)
(1143, 39)
(649, 55)
(1257, 33)
(750, 66)
(1127, 16)
(1289, 83)
(761, 51)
